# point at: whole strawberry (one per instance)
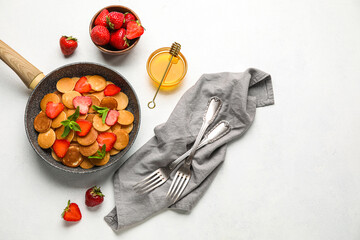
(100, 35)
(118, 39)
(115, 20)
(71, 212)
(134, 30)
(93, 196)
(68, 45)
(127, 18)
(101, 18)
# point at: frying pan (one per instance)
(34, 79)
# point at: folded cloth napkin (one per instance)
(240, 93)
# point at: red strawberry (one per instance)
(85, 127)
(115, 20)
(83, 102)
(118, 39)
(82, 85)
(61, 147)
(53, 109)
(68, 45)
(134, 30)
(101, 18)
(71, 213)
(111, 90)
(128, 17)
(108, 139)
(94, 196)
(100, 35)
(112, 117)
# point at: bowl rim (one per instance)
(105, 50)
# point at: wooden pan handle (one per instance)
(28, 73)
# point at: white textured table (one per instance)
(294, 175)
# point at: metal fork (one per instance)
(183, 174)
(161, 175)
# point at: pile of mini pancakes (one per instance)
(83, 147)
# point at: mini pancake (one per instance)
(109, 82)
(94, 101)
(59, 94)
(67, 98)
(70, 112)
(113, 151)
(75, 79)
(98, 83)
(116, 126)
(122, 100)
(127, 128)
(46, 139)
(56, 122)
(109, 102)
(100, 162)
(65, 85)
(59, 131)
(125, 117)
(51, 97)
(42, 123)
(89, 150)
(82, 116)
(99, 125)
(86, 164)
(75, 138)
(53, 154)
(122, 139)
(72, 158)
(89, 139)
(90, 117)
(99, 95)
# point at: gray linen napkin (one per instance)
(240, 93)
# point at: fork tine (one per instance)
(182, 189)
(179, 186)
(157, 185)
(144, 180)
(173, 184)
(148, 183)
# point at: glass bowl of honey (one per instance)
(157, 63)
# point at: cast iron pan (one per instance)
(33, 78)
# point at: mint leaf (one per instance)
(70, 123)
(75, 116)
(103, 111)
(66, 131)
(100, 155)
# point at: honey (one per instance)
(157, 63)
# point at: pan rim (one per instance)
(71, 170)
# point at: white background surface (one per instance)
(294, 175)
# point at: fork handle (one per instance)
(220, 130)
(212, 110)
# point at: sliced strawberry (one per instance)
(108, 139)
(101, 18)
(134, 30)
(53, 109)
(71, 212)
(83, 103)
(61, 147)
(82, 85)
(112, 117)
(85, 127)
(111, 90)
